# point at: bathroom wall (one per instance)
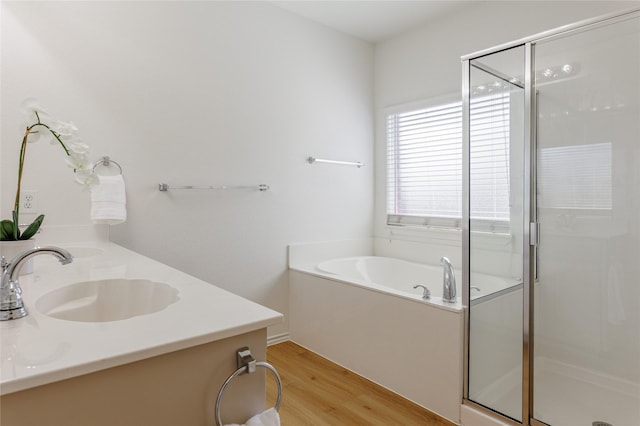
(425, 63)
(234, 93)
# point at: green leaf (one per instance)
(6, 230)
(33, 228)
(16, 228)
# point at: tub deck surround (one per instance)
(38, 349)
(408, 346)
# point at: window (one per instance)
(424, 163)
(576, 177)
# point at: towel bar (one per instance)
(106, 161)
(165, 187)
(312, 160)
(247, 364)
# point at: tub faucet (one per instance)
(11, 305)
(426, 293)
(448, 281)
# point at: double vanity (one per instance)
(117, 338)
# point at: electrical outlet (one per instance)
(29, 202)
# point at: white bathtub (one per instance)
(398, 277)
(395, 277)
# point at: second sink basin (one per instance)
(107, 300)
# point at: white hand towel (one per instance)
(269, 417)
(108, 201)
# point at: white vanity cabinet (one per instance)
(174, 389)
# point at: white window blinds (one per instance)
(576, 177)
(489, 157)
(424, 163)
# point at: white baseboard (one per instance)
(278, 338)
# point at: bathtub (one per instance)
(363, 313)
(398, 277)
(395, 277)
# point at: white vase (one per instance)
(9, 249)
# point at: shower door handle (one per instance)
(534, 234)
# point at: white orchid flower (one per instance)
(36, 134)
(78, 161)
(39, 126)
(77, 146)
(31, 109)
(34, 117)
(65, 130)
(86, 178)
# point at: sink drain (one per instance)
(597, 423)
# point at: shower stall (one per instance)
(552, 203)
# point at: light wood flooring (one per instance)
(318, 392)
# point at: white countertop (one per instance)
(37, 349)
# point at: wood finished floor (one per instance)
(318, 392)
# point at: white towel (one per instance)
(108, 201)
(269, 417)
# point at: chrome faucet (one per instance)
(448, 281)
(426, 293)
(11, 306)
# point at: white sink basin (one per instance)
(107, 300)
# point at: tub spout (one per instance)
(448, 281)
(11, 304)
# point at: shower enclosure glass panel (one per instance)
(496, 158)
(587, 295)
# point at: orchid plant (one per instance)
(64, 134)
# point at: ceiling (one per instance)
(373, 20)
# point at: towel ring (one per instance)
(247, 368)
(106, 161)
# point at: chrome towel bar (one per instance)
(262, 187)
(247, 364)
(312, 160)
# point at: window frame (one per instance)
(395, 221)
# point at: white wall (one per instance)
(236, 93)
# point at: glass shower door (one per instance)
(495, 187)
(587, 292)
